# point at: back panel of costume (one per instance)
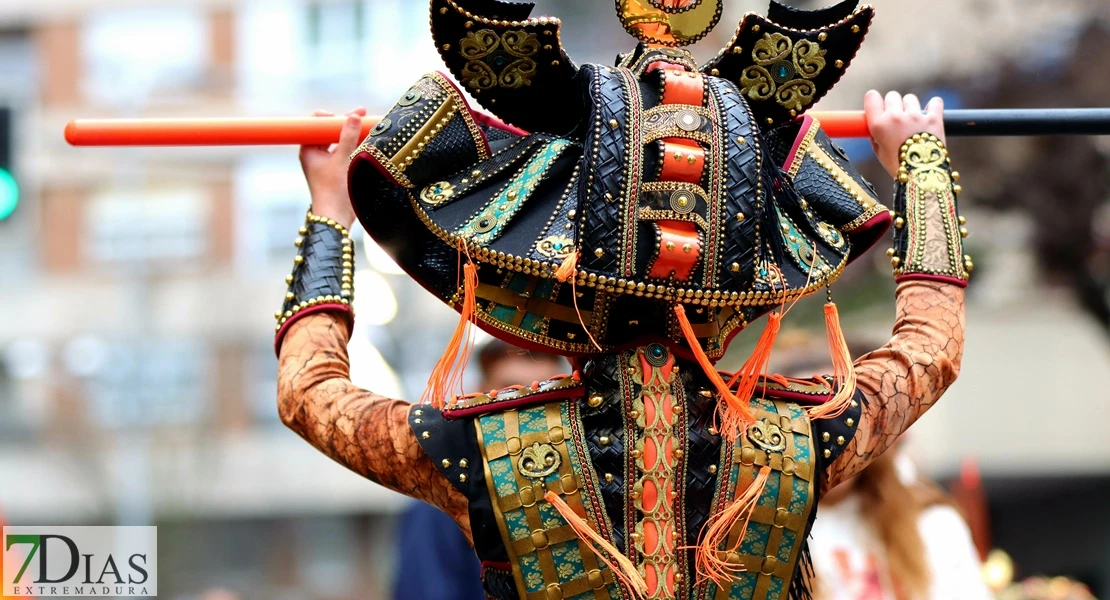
(632, 448)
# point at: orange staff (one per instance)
(325, 130)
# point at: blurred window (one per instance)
(261, 382)
(148, 225)
(135, 54)
(164, 382)
(272, 196)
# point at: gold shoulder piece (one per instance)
(787, 61)
(513, 65)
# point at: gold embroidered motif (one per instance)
(538, 461)
(505, 61)
(556, 246)
(767, 436)
(933, 241)
(784, 71)
(437, 193)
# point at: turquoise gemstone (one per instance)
(557, 246)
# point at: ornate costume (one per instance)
(633, 218)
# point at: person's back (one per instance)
(652, 214)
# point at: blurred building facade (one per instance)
(136, 363)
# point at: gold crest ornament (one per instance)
(669, 22)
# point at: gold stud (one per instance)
(840, 440)
(635, 414)
(464, 463)
(740, 217)
(825, 437)
(855, 28)
(595, 400)
(462, 477)
(599, 252)
(426, 435)
(850, 422)
(446, 463)
(298, 259)
(735, 267)
(614, 123)
(839, 64)
(890, 251)
(822, 36)
(609, 477)
(964, 232)
(605, 440)
(678, 453)
(895, 262)
(712, 469)
(828, 453)
(899, 222)
(713, 431)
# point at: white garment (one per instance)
(850, 560)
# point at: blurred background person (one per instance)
(434, 559)
(888, 536)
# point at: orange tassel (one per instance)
(756, 365)
(623, 569)
(734, 411)
(447, 376)
(565, 270)
(844, 371)
(714, 542)
(563, 273)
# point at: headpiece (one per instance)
(608, 207)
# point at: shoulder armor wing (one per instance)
(556, 388)
(514, 66)
(831, 186)
(787, 61)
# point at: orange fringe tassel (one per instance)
(708, 561)
(624, 569)
(565, 270)
(447, 376)
(844, 371)
(748, 375)
(563, 273)
(733, 412)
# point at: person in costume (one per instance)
(634, 219)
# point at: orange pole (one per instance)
(293, 131)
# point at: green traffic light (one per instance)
(9, 194)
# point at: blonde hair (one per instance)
(893, 508)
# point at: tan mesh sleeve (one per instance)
(361, 430)
(904, 378)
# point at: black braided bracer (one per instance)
(322, 274)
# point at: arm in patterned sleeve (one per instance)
(367, 433)
(900, 381)
(905, 377)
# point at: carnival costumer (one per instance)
(633, 219)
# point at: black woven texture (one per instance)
(743, 171)
(607, 420)
(603, 172)
(452, 150)
(321, 272)
(704, 450)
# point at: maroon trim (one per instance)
(451, 414)
(496, 564)
(311, 310)
(807, 122)
(961, 283)
(869, 234)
